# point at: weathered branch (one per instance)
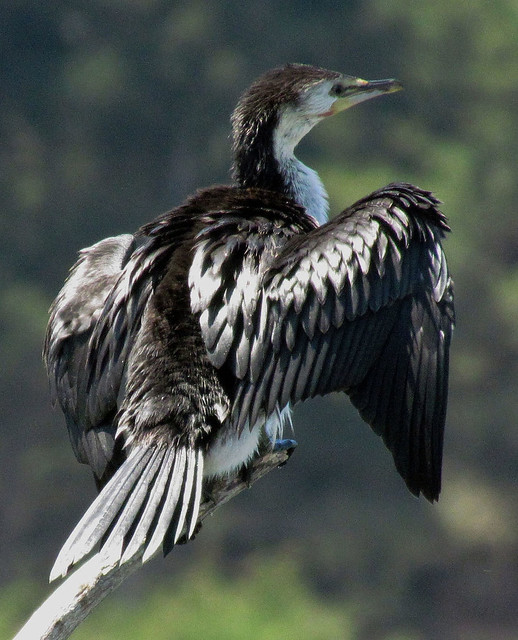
(84, 589)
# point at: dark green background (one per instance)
(111, 113)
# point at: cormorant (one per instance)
(173, 351)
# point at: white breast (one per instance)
(229, 451)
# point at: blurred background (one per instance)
(113, 112)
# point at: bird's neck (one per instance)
(265, 158)
(305, 187)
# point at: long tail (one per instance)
(149, 502)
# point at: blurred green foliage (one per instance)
(268, 601)
(114, 112)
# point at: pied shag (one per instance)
(174, 352)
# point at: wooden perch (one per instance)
(84, 589)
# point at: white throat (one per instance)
(307, 188)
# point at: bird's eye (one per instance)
(338, 89)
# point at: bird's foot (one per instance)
(285, 445)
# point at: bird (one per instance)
(174, 352)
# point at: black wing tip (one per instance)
(428, 487)
(421, 469)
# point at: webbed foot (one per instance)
(285, 445)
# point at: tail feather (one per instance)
(148, 516)
(113, 546)
(157, 490)
(188, 516)
(172, 517)
(96, 521)
(192, 517)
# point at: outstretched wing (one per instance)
(362, 304)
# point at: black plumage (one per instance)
(171, 351)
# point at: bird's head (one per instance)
(286, 103)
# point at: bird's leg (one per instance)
(197, 529)
(210, 489)
(245, 474)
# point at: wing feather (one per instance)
(73, 320)
(354, 305)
